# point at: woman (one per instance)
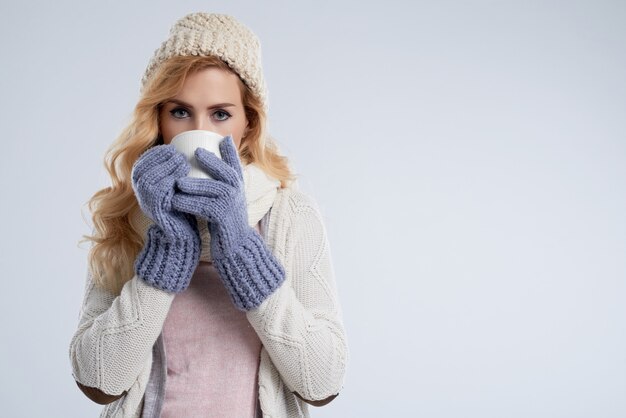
(206, 297)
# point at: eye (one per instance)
(225, 114)
(174, 112)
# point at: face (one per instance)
(210, 100)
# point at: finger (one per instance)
(230, 155)
(183, 166)
(216, 168)
(148, 159)
(154, 159)
(155, 155)
(195, 205)
(201, 186)
(176, 166)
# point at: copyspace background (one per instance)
(469, 158)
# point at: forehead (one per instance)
(210, 84)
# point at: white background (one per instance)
(468, 157)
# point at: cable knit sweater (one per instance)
(304, 355)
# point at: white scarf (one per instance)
(260, 190)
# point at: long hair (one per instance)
(116, 242)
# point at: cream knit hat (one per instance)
(219, 35)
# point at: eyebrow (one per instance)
(180, 102)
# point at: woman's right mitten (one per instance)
(172, 248)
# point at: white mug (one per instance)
(187, 142)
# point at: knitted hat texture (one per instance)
(219, 35)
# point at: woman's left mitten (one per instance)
(247, 267)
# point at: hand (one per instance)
(246, 266)
(221, 200)
(172, 248)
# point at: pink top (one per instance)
(212, 352)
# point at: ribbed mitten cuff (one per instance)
(164, 265)
(251, 273)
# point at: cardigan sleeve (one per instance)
(115, 335)
(300, 324)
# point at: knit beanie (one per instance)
(219, 35)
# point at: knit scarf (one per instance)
(260, 191)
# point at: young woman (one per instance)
(206, 297)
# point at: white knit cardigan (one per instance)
(300, 325)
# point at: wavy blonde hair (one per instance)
(116, 242)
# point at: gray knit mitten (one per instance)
(248, 269)
(172, 248)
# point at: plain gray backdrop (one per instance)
(469, 158)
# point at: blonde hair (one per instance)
(116, 241)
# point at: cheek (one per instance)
(167, 130)
(239, 137)
(236, 128)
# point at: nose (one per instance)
(202, 124)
